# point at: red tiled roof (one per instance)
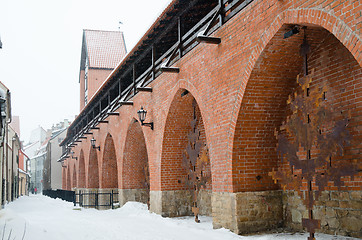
(105, 48)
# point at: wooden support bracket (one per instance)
(113, 114)
(130, 103)
(144, 89)
(170, 69)
(205, 39)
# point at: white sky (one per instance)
(39, 61)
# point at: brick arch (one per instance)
(64, 178)
(74, 181)
(263, 105)
(69, 182)
(175, 139)
(93, 173)
(81, 171)
(327, 20)
(342, 30)
(109, 164)
(135, 158)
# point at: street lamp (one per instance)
(142, 116)
(93, 143)
(72, 153)
(63, 164)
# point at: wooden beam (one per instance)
(170, 69)
(95, 128)
(83, 137)
(103, 121)
(77, 141)
(205, 39)
(88, 133)
(130, 103)
(144, 89)
(113, 114)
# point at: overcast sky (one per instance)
(39, 61)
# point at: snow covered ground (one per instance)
(44, 218)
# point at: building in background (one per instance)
(101, 53)
(12, 163)
(23, 173)
(10, 147)
(52, 171)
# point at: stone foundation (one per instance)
(178, 203)
(247, 212)
(137, 195)
(340, 212)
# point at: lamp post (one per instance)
(142, 116)
(93, 143)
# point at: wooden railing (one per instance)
(123, 87)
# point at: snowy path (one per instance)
(49, 219)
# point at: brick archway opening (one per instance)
(69, 184)
(64, 178)
(264, 108)
(93, 173)
(109, 164)
(81, 170)
(182, 111)
(135, 171)
(74, 182)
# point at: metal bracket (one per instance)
(202, 35)
(165, 67)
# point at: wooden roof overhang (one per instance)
(181, 27)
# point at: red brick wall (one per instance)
(64, 179)
(263, 106)
(240, 87)
(81, 171)
(334, 65)
(96, 77)
(81, 90)
(93, 171)
(134, 159)
(177, 129)
(74, 181)
(69, 182)
(109, 165)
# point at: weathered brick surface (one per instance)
(134, 159)
(95, 80)
(240, 87)
(109, 165)
(81, 171)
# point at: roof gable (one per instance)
(104, 49)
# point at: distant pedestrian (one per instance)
(32, 190)
(35, 190)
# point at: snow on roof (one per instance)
(39, 155)
(105, 48)
(22, 171)
(30, 145)
(57, 133)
